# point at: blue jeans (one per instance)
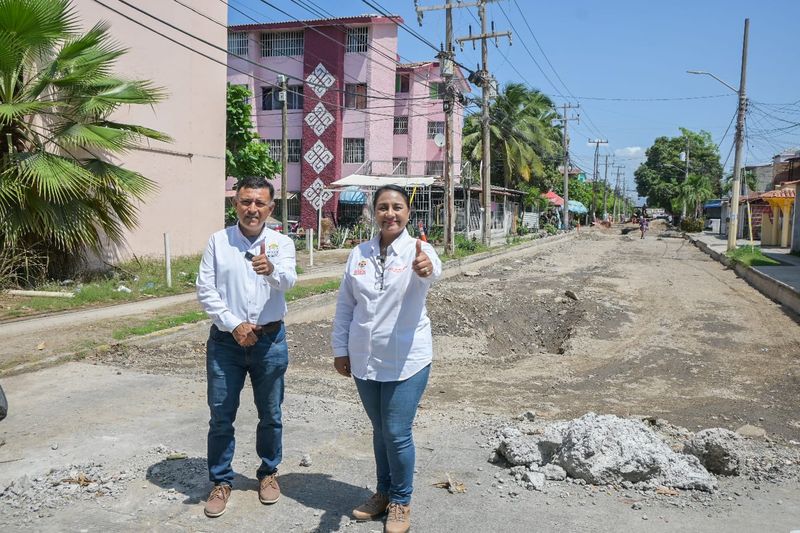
(391, 407)
(227, 365)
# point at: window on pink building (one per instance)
(354, 150)
(434, 127)
(357, 40)
(355, 96)
(434, 168)
(293, 146)
(282, 43)
(401, 82)
(436, 90)
(270, 101)
(237, 43)
(400, 166)
(400, 125)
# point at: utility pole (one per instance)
(616, 193)
(446, 68)
(283, 97)
(733, 227)
(605, 191)
(685, 179)
(565, 143)
(487, 84)
(597, 143)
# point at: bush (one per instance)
(692, 225)
(550, 229)
(466, 245)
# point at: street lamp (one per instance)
(739, 140)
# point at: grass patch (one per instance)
(312, 287)
(158, 324)
(144, 278)
(751, 256)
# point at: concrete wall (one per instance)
(190, 172)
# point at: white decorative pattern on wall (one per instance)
(320, 80)
(319, 119)
(318, 157)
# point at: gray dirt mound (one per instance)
(604, 449)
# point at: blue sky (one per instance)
(626, 50)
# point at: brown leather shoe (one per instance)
(217, 500)
(372, 508)
(398, 518)
(268, 489)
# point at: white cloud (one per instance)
(630, 151)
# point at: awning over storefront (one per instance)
(352, 195)
(713, 204)
(553, 198)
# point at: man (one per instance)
(244, 273)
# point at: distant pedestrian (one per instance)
(643, 225)
(244, 273)
(382, 338)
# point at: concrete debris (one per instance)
(305, 460)
(471, 273)
(606, 449)
(554, 472)
(570, 294)
(518, 449)
(534, 480)
(718, 450)
(527, 415)
(752, 432)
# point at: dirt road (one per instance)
(657, 329)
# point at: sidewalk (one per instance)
(780, 283)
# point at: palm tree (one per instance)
(522, 136)
(60, 191)
(694, 191)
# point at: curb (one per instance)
(772, 288)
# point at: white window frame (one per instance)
(293, 147)
(354, 150)
(434, 127)
(401, 170)
(434, 168)
(282, 43)
(357, 40)
(238, 44)
(400, 126)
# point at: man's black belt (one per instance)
(268, 328)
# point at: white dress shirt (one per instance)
(229, 289)
(381, 321)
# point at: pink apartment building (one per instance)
(353, 107)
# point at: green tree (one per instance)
(693, 192)
(660, 176)
(245, 155)
(60, 191)
(525, 145)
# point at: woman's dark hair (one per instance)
(395, 188)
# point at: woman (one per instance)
(382, 338)
(643, 225)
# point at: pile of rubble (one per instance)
(43, 494)
(607, 450)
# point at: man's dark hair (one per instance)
(256, 182)
(395, 188)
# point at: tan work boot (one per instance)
(268, 489)
(217, 500)
(372, 508)
(398, 518)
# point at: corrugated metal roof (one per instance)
(356, 19)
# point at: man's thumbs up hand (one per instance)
(261, 264)
(422, 264)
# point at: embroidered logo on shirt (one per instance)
(272, 249)
(360, 268)
(397, 269)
